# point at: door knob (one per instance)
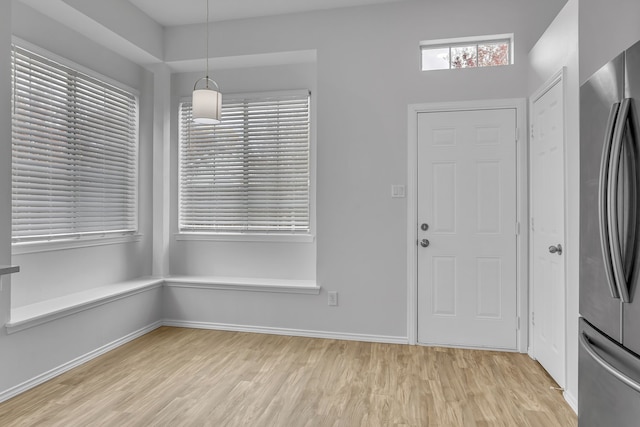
(556, 249)
(424, 243)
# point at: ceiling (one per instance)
(185, 12)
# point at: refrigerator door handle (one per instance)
(603, 200)
(612, 201)
(586, 344)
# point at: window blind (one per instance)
(250, 173)
(74, 145)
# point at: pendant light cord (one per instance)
(207, 53)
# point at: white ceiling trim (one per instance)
(244, 61)
(186, 12)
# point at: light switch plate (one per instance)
(398, 191)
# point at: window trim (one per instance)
(21, 248)
(245, 237)
(257, 236)
(466, 41)
(31, 245)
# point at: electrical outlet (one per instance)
(333, 298)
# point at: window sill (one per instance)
(241, 237)
(36, 314)
(244, 284)
(55, 245)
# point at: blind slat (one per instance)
(74, 140)
(251, 171)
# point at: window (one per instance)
(74, 145)
(250, 173)
(472, 52)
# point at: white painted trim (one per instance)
(471, 347)
(468, 40)
(571, 400)
(520, 105)
(558, 78)
(462, 41)
(21, 388)
(286, 331)
(412, 225)
(246, 237)
(47, 311)
(522, 153)
(246, 61)
(81, 242)
(244, 284)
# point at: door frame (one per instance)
(520, 228)
(558, 78)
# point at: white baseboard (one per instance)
(21, 388)
(286, 331)
(571, 400)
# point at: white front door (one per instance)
(547, 231)
(467, 285)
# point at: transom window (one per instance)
(250, 173)
(74, 152)
(470, 52)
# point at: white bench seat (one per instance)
(31, 315)
(45, 311)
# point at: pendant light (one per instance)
(207, 102)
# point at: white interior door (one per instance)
(467, 285)
(547, 231)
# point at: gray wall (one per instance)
(46, 275)
(367, 73)
(33, 354)
(5, 159)
(606, 29)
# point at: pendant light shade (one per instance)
(206, 103)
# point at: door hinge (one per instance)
(532, 228)
(533, 318)
(517, 134)
(517, 228)
(532, 132)
(518, 323)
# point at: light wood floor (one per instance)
(189, 377)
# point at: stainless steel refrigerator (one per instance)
(609, 352)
